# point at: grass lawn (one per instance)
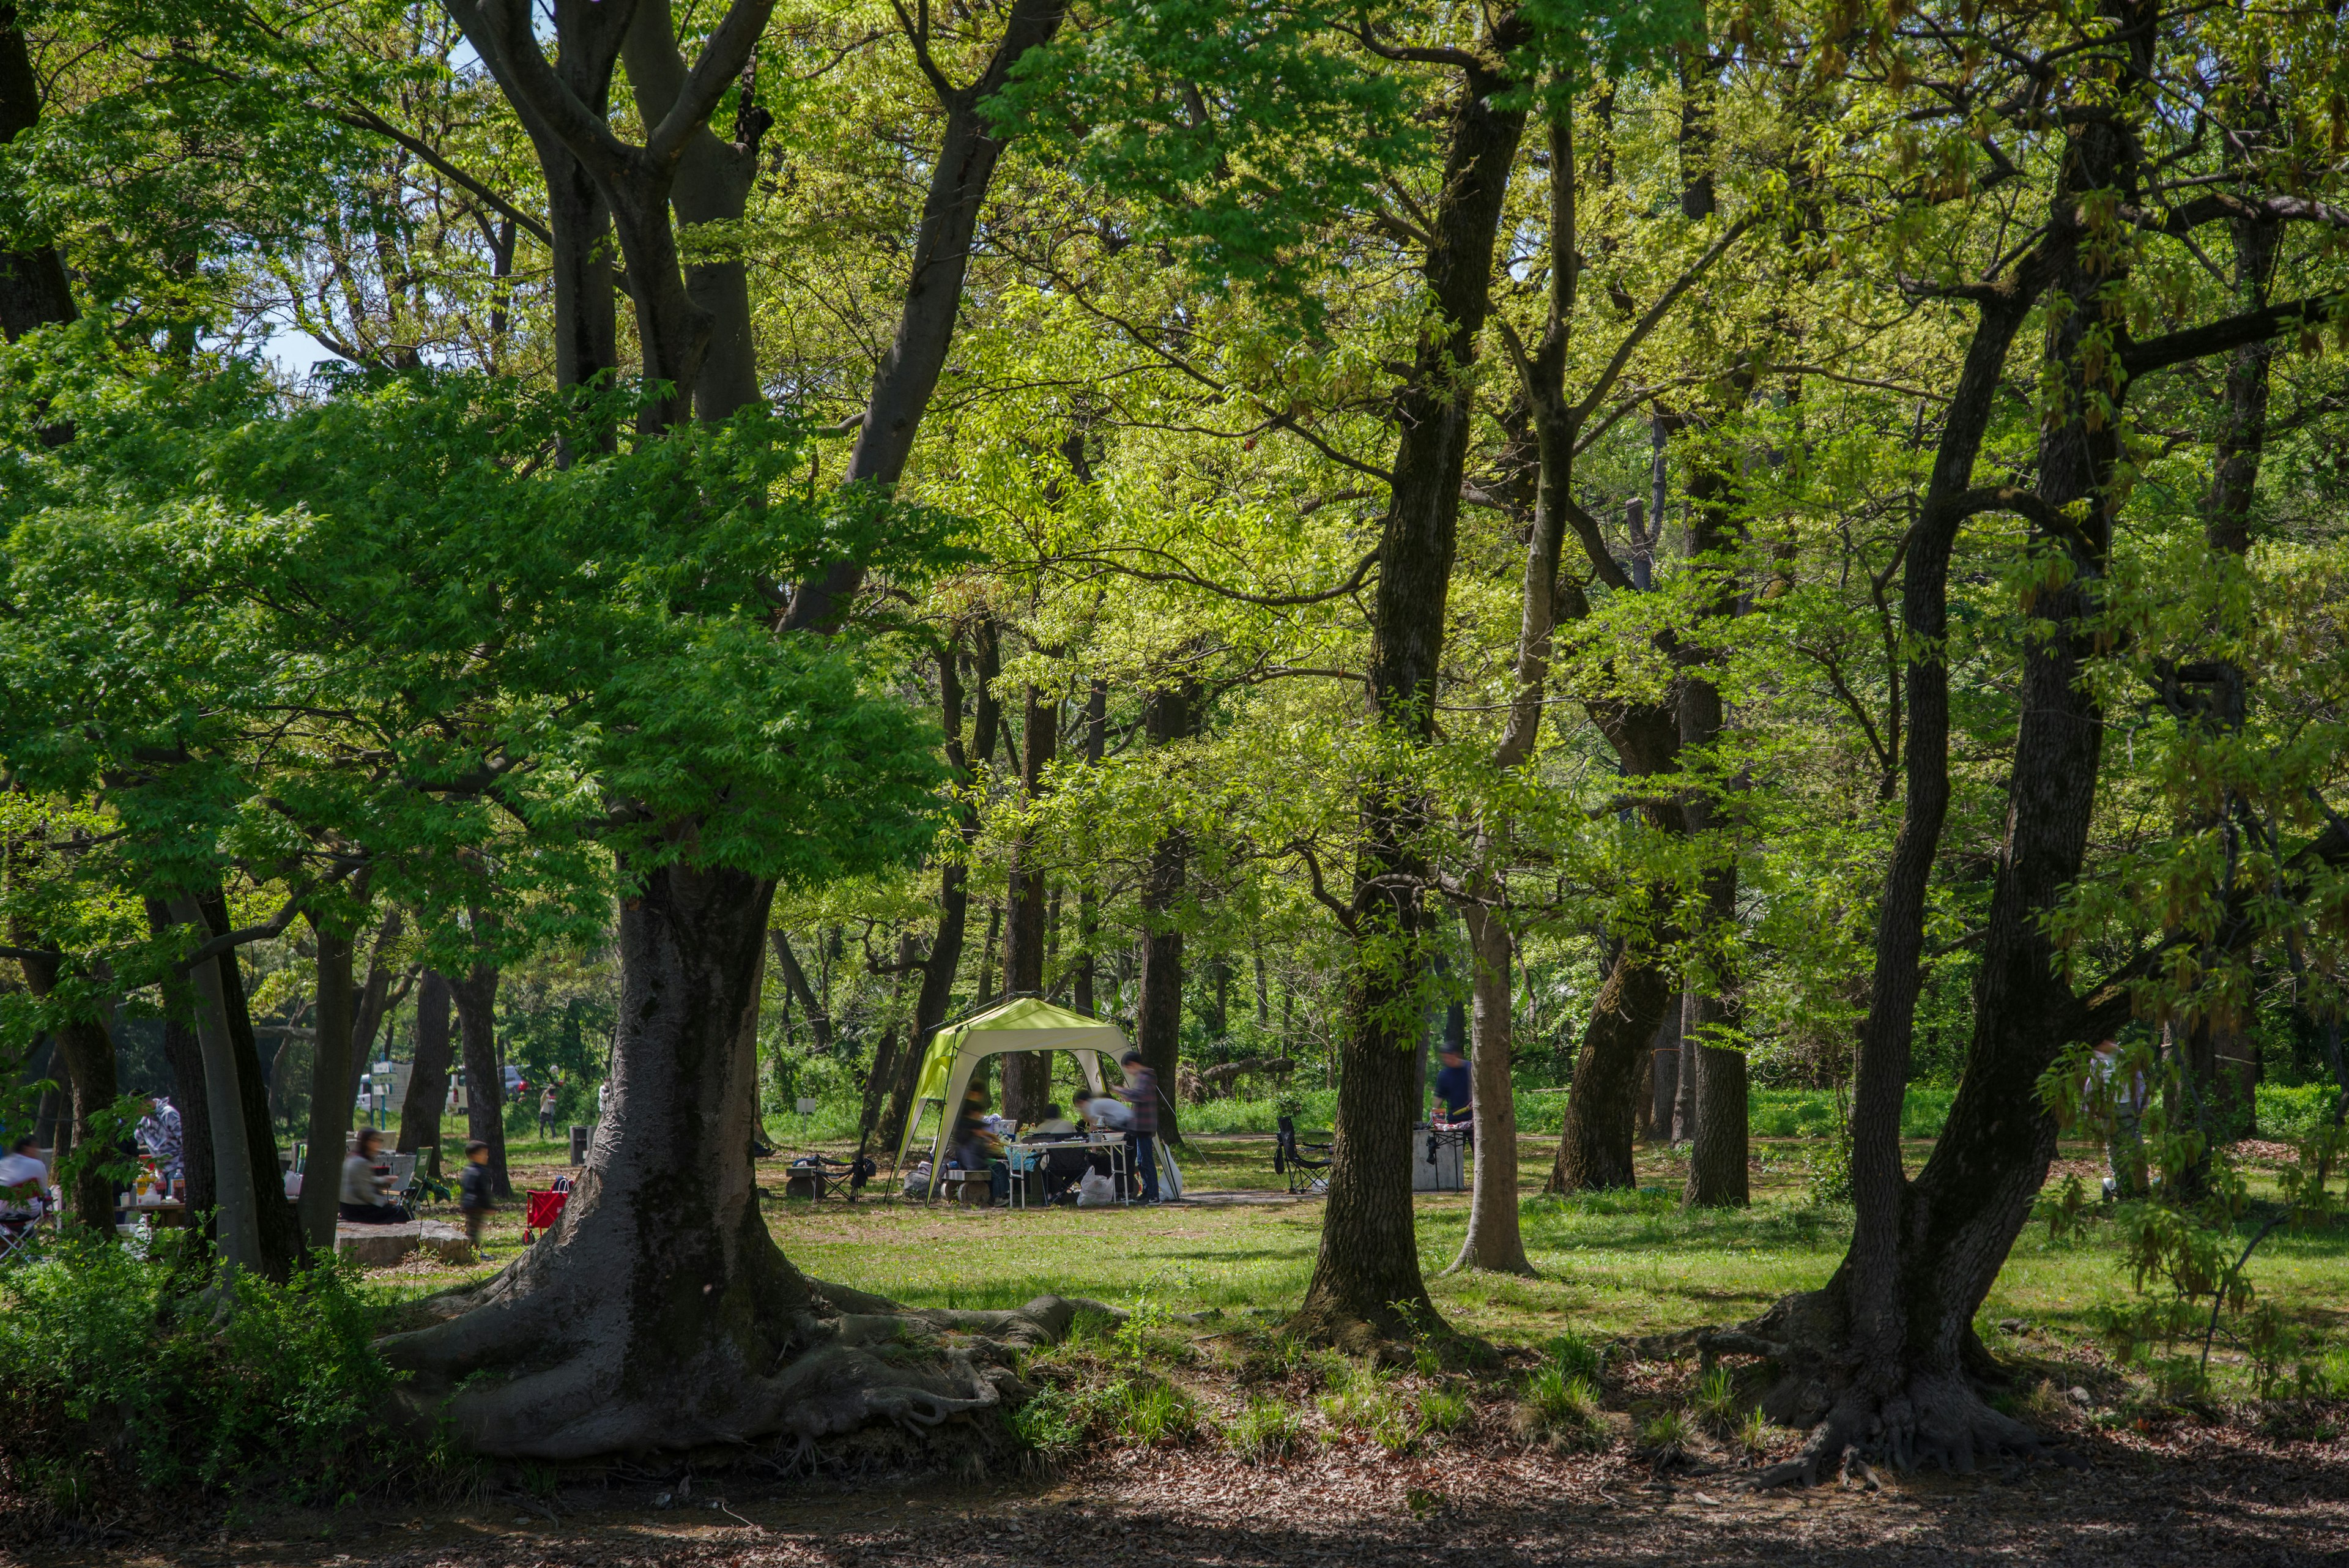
(1610, 1265)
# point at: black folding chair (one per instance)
(1306, 1172)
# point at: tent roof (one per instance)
(1021, 1024)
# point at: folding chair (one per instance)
(403, 1182)
(17, 1227)
(1307, 1172)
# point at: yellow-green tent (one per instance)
(1022, 1023)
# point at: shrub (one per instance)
(1577, 1356)
(1560, 1409)
(1150, 1413)
(1267, 1429)
(109, 1364)
(1442, 1409)
(1715, 1406)
(1055, 1423)
(1668, 1437)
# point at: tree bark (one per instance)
(330, 1107)
(1367, 1284)
(796, 980)
(476, 996)
(34, 291)
(1595, 1150)
(185, 1053)
(87, 1053)
(907, 377)
(1088, 896)
(1494, 1241)
(379, 996)
(1664, 1077)
(279, 1227)
(1717, 1132)
(427, 1074)
(1171, 713)
(1027, 1075)
(237, 1224)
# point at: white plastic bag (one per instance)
(1095, 1190)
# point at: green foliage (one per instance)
(1267, 1428)
(1714, 1402)
(1561, 1410)
(1666, 1437)
(109, 1369)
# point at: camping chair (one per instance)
(540, 1210)
(1305, 1173)
(17, 1226)
(403, 1182)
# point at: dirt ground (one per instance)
(2193, 1495)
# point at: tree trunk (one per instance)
(1717, 1144)
(796, 980)
(1027, 1075)
(1366, 1284)
(377, 997)
(85, 1052)
(428, 1073)
(1595, 1148)
(1717, 1130)
(1683, 1121)
(330, 1107)
(1088, 898)
(1664, 1077)
(907, 375)
(659, 1314)
(237, 1225)
(34, 291)
(1171, 713)
(1494, 1241)
(185, 1053)
(476, 997)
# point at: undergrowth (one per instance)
(115, 1373)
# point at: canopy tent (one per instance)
(1021, 1024)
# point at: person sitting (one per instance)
(361, 1201)
(1054, 1126)
(24, 1178)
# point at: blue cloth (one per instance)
(1452, 1088)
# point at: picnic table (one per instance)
(1028, 1157)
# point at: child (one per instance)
(474, 1191)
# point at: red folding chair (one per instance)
(539, 1209)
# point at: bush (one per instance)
(106, 1364)
(1560, 1409)
(1267, 1429)
(1668, 1437)
(1715, 1404)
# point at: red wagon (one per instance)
(539, 1209)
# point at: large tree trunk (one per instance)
(428, 1073)
(1494, 1239)
(1366, 1283)
(476, 996)
(659, 1314)
(1595, 1148)
(1664, 1077)
(279, 1227)
(1717, 1131)
(33, 287)
(1171, 714)
(1088, 898)
(1027, 1075)
(377, 997)
(907, 375)
(330, 1106)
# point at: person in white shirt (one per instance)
(361, 1199)
(23, 1179)
(1104, 1112)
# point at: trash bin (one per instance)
(579, 1145)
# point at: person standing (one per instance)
(1142, 1093)
(2124, 1089)
(476, 1193)
(162, 1140)
(546, 1103)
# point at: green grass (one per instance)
(1609, 1265)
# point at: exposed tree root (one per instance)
(513, 1383)
(1908, 1417)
